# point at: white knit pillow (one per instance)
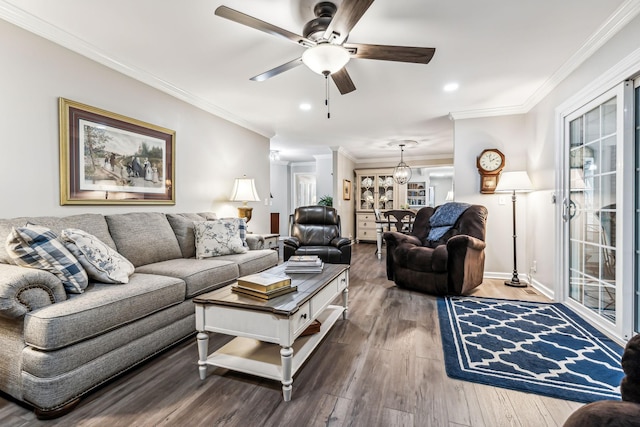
(102, 263)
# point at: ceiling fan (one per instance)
(325, 38)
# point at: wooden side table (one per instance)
(270, 240)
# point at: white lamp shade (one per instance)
(244, 190)
(449, 197)
(325, 57)
(577, 180)
(514, 181)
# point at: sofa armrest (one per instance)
(395, 238)
(462, 242)
(255, 241)
(25, 289)
(340, 242)
(465, 263)
(292, 242)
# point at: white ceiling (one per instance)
(504, 54)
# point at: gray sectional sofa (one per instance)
(56, 347)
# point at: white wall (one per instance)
(210, 152)
(541, 153)
(281, 191)
(505, 133)
(324, 176)
(530, 142)
(343, 167)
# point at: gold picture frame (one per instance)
(346, 189)
(109, 159)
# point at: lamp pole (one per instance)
(515, 281)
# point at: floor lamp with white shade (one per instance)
(514, 182)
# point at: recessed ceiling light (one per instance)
(450, 87)
(305, 106)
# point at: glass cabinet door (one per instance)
(385, 192)
(367, 189)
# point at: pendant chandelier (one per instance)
(402, 172)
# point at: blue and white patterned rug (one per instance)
(532, 347)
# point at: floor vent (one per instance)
(530, 291)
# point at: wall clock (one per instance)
(490, 164)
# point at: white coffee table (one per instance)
(267, 343)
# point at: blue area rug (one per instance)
(532, 347)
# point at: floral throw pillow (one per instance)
(218, 237)
(38, 247)
(101, 262)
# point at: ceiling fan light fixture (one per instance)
(325, 57)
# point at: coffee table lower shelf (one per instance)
(263, 359)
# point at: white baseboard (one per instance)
(525, 278)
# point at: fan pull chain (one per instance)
(326, 93)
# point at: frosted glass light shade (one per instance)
(244, 190)
(325, 57)
(514, 181)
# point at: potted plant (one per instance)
(325, 201)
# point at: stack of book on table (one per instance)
(304, 264)
(264, 285)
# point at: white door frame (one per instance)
(627, 68)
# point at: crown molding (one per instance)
(26, 21)
(487, 112)
(617, 21)
(343, 151)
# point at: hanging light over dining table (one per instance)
(402, 172)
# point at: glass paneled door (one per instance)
(593, 209)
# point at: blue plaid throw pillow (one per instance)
(38, 247)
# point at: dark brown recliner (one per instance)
(451, 265)
(315, 230)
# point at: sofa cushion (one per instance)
(101, 308)
(91, 223)
(144, 237)
(218, 237)
(51, 392)
(417, 258)
(47, 364)
(252, 261)
(99, 261)
(35, 246)
(182, 225)
(199, 275)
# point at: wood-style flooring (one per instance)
(381, 367)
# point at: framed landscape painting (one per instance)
(107, 158)
(346, 189)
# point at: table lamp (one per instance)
(244, 190)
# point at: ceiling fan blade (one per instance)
(278, 70)
(347, 16)
(418, 55)
(250, 21)
(343, 81)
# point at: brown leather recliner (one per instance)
(625, 413)
(451, 265)
(315, 230)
